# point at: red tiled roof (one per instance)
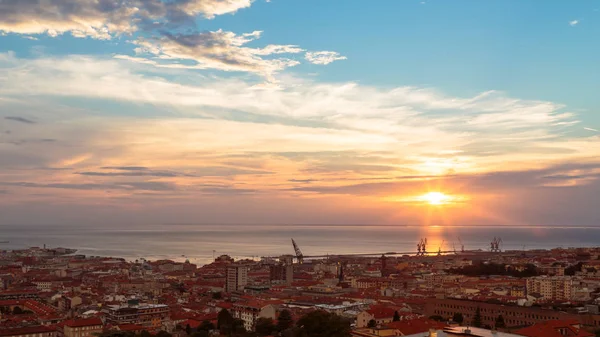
(191, 322)
(382, 312)
(26, 331)
(130, 327)
(83, 322)
(552, 329)
(415, 326)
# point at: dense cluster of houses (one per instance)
(55, 293)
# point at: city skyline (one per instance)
(240, 111)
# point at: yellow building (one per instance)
(89, 327)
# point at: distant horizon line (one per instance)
(309, 225)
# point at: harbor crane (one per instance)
(495, 245)
(462, 246)
(422, 247)
(299, 254)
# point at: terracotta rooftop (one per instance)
(555, 328)
(76, 323)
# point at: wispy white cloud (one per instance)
(323, 57)
(573, 23)
(218, 50)
(311, 116)
(590, 129)
(211, 136)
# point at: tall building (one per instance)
(147, 315)
(237, 278)
(281, 273)
(551, 288)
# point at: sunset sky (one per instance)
(300, 111)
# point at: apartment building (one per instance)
(250, 312)
(513, 315)
(150, 316)
(237, 278)
(551, 287)
(82, 327)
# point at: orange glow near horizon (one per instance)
(432, 198)
(436, 198)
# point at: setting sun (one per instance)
(436, 198)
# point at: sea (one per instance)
(200, 243)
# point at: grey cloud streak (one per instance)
(141, 171)
(148, 186)
(165, 174)
(31, 141)
(19, 119)
(477, 183)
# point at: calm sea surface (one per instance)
(197, 242)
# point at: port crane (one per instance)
(299, 254)
(422, 247)
(495, 245)
(440, 248)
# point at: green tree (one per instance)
(145, 333)
(597, 333)
(372, 323)
(17, 311)
(200, 333)
(217, 295)
(437, 318)
(571, 270)
(188, 329)
(458, 318)
(323, 324)
(224, 318)
(477, 318)
(206, 326)
(163, 333)
(500, 324)
(264, 326)
(237, 327)
(285, 320)
(396, 316)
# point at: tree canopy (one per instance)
(206, 326)
(458, 318)
(265, 326)
(486, 269)
(285, 320)
(437, 318)
(323, 324)
(500, 324)
(224, 318)
(477, 318)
